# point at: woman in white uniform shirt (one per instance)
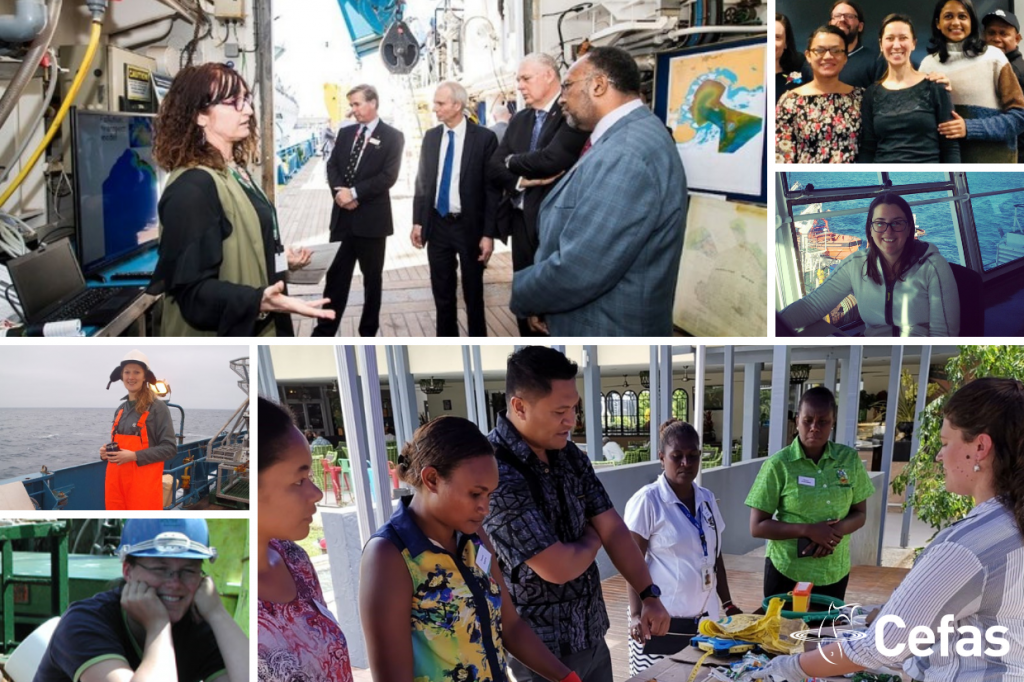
(678, 527)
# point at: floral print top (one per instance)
(456, 605)
(300, 641)
(818, 128)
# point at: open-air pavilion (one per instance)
(368, 399)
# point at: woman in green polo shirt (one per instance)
(818, 490)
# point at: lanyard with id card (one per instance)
(280, 257)
(707, 568)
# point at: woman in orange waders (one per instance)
(144, 435)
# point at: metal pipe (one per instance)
(28, 66)
(28, 20)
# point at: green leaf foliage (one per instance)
(933, 504)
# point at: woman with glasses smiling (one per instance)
(222, 263)
(820, 122)
(903, 287)
(165, 621)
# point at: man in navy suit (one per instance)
(361, 171)
(611, 231)
(454, 209)
(538, 145)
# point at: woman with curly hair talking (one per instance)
(221, 264)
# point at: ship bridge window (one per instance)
(976, 220)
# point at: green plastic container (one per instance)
(809, 616)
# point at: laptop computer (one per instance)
(51, 288)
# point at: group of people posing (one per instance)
(586, 182)
(841, 101)
(489, 565)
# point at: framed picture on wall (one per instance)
(714, 101)
(447, 404)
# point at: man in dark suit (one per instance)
(454, 209)
(538, 144)
(361, 171)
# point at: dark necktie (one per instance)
(538, 124)
(586, 148)
(353, 159)
(446, 176)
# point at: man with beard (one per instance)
(864, 66)
(611, 231)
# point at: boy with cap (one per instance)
(165, 622)
(1002, 30)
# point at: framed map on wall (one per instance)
(714, 101)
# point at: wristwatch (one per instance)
(651, 591)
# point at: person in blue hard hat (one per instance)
(166, 621)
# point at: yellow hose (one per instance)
(94, 41)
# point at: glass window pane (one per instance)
(797, 181)
(998, 219)
(916, 178)
(316, 416)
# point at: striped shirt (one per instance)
(974, 571)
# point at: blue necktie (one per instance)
(446, 176)
(538, 123)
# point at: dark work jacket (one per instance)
(376, 174)
(478, 197)
(558, 149)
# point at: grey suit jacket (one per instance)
(611, 236)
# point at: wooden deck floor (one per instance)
(868, 585)
(304, 209)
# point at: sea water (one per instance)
(61, 437)
(992, 215)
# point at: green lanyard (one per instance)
(246, 183)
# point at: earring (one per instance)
(977, 468)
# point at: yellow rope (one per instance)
(94, 41)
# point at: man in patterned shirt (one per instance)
(549, 516)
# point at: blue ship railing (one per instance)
(291, 159)
(80, 487)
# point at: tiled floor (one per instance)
(304, 207)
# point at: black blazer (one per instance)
(558, 149)
(376, 174)
(479, 198)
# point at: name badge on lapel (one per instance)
(483, 559)
(374, 141)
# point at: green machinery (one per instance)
(20, 587)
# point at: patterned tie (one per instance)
(446, 176)
(538, 124)
(586, 148)
(353, 159)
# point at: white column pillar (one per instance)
(727, 405)
(376, 448)
(592, 402)
(265, 375)
(779, 425)
(895, 365)
(355, 437)
(751, 409)
(849, 403)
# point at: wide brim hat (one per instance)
(137, 357)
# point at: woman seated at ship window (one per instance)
(820, 122)
(901, 113)
(903, 287)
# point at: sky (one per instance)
(76, 376)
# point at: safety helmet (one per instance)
(139, 358)
(166, 538)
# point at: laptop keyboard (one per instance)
(76, 309)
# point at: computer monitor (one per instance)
(117, 186)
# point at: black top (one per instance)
(567, 618)
(94, 629)
(792, 76)
(863, 67)
(900, 126)
(191, 250)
